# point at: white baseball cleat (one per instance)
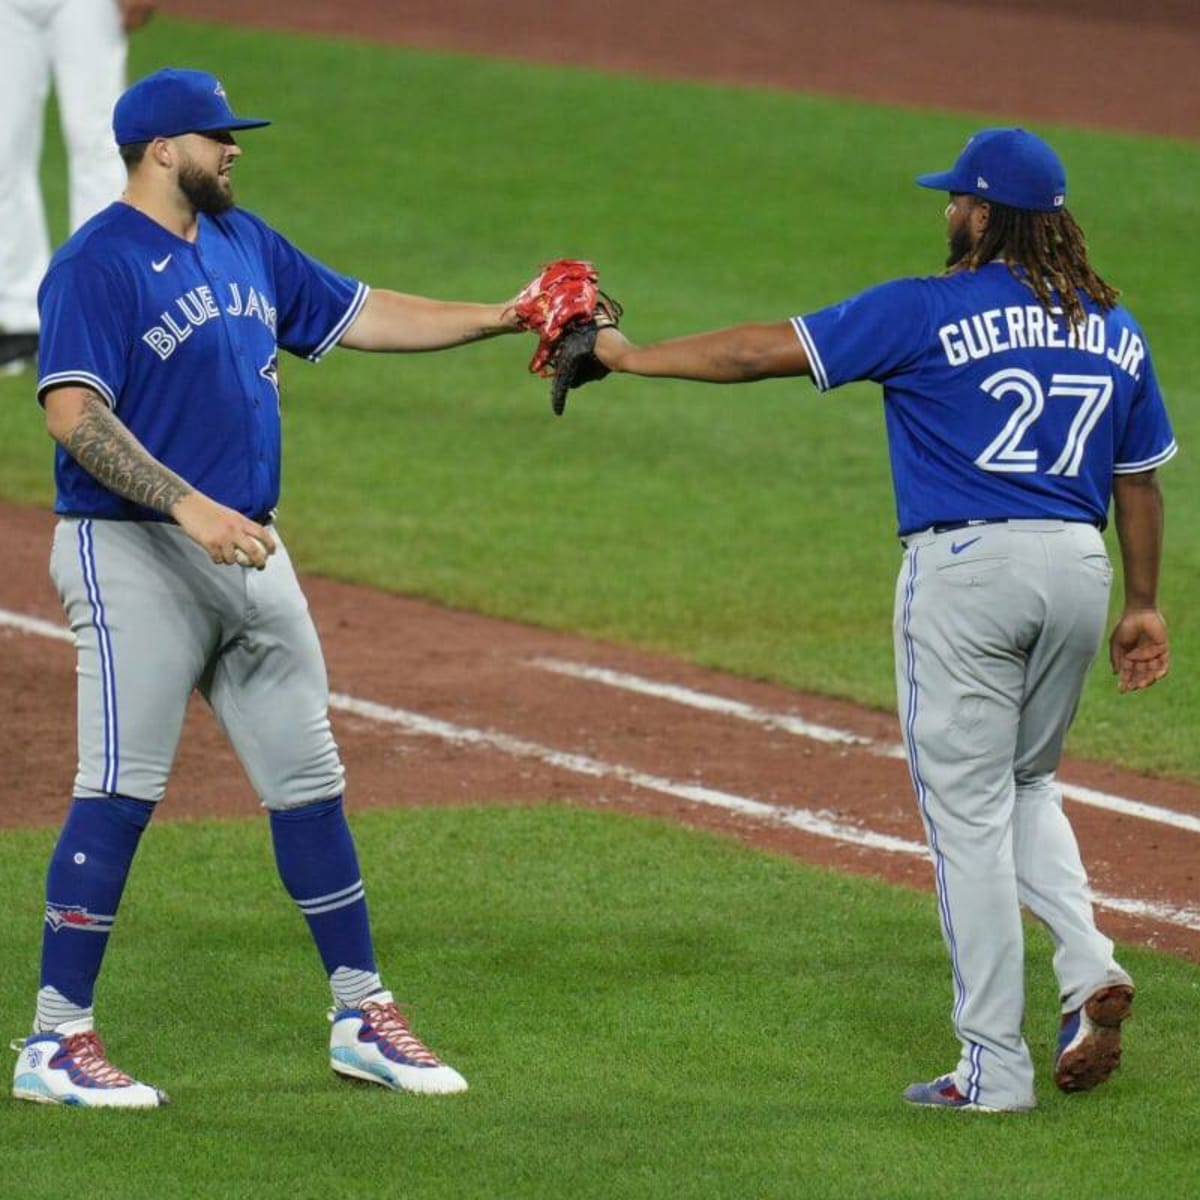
(70, 1067)
(373, 1042)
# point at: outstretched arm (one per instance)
(739, 354)
(396, 321)
(92, 434)
(1139, 648)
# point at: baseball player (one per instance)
(1019, 398)
(82, 44)
(161, 321)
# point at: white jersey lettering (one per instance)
(160, 341)
(1024, 327)
(181, 332)
(996, 341)
(252, 304)
(1131, 360)
(1054, 335)
(209, 300)
(974, 337)
(956, 354)
(197, 307)
(1015, 317)
(192, 307)
(1035, 319)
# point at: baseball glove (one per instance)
(565, 307)
(574, 362)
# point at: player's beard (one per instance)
(205, 191)
(961, 244)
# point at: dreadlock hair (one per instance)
(1048, 253)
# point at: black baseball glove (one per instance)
(574, 360)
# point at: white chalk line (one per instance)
(804, 820)
(818, 824)
(788, 723)
(36, 626)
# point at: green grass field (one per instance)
(642, 1011)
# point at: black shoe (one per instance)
(17, 348)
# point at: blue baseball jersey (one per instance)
(995, 408)
(181, 340)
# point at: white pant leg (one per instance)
(88, 51)
(959, 683)
(24, 84)
(145, 626)
(1053, 886)
(270, 693)
(1050, 873)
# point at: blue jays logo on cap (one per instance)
(174, 101)
(1010, 166)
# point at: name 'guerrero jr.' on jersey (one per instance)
(994, 407)
(181, 339)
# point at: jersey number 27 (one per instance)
(1005, 453)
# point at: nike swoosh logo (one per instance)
(161, 265)
(959, 547)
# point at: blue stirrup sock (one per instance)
(314, 851)
(84, 883)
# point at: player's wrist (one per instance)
(1141, 607)
(613, 348)
(508, 320)
(184, 503)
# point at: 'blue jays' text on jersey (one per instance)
(994, 407)
(181, 338)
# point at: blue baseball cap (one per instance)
(174, 101)
(1010, 166)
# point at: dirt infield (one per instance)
(466, 709)
(437, 706)
(1114, 64)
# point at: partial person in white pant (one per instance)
(80, 46)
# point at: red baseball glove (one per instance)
(562, 303)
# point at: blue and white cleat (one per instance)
(373, 1042)
(1089, 1042)
(944, 1093)
(70, 1067)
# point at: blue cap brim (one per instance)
(939, 181)
(237, 123)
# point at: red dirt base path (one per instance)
(1115, 64)
(481, 674)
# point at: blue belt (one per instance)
(947, 526)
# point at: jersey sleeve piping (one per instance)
(819, 377)
(93, 382)
(1147, 464)
(348, 317)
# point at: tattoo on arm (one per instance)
(103, 446)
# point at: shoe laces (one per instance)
(390, 1026)
(87, 1051)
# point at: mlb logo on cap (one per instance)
(172, 102)
(1008, 166)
